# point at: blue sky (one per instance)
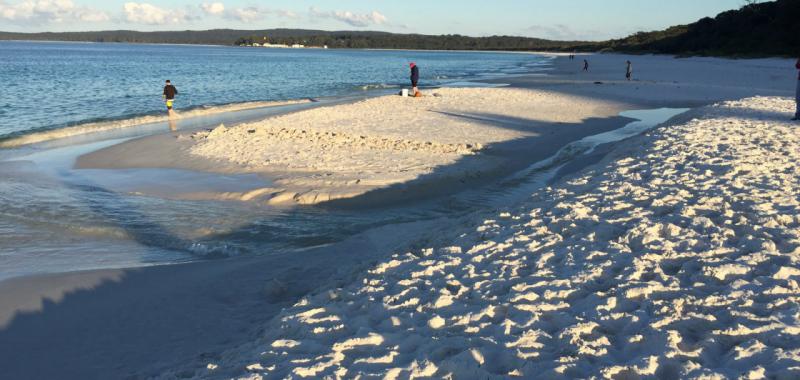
(554, 19)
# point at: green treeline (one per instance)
(378, 40)
(755, 30)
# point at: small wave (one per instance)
(468, 84)
(379, 86)
(214, 250)
(100, 231)
(102, 126)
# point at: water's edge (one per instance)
(501, 194)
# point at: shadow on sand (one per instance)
(494, 162)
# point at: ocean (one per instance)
(51, 85)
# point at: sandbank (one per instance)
(379, 150)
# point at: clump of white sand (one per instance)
(675, 257)
(343, 151)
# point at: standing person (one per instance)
(414, 78)
(629, 71)
(585, 65)
(797, 94)
(169, 95)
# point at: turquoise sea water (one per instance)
(48, 85)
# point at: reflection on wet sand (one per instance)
(173, 120)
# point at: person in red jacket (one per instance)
(797, 93)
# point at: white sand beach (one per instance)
(669, 255)
(675, 257)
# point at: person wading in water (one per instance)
(169, 96)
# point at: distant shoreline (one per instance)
(510, 51)
(305, 48)
(113, 42)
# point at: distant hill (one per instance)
(207, 37)
(380, 40)
(337, 39)
(758, 29)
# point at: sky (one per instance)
(551, 19)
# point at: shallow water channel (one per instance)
(54, 218)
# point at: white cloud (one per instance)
(253, 14)
(248, 14)
(48, 11)
(350, 18)
(91, 15)
(284, 13)
(215, 9)
(144, 13)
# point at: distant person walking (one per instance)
(797, 94)
(585, 65)
(629, 71)
(414, 78)
(169, 95)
